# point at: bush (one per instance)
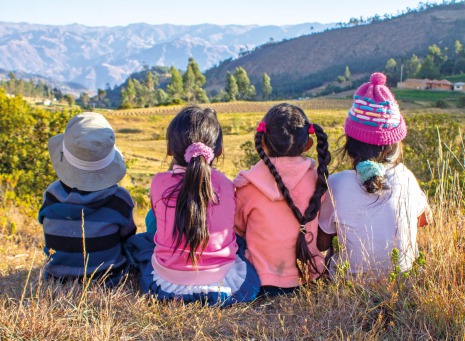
(441, 104)
(25, 132)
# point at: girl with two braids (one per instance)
(278, 200)
(193, 255)
(376, 206)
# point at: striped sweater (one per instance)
(77, 222)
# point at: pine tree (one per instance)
(175, 87)
(243, 82)
(188, 80)
(231, 87)
(266, 86)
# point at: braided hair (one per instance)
(287, 135)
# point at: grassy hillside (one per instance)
(303, 63)
(426, 305)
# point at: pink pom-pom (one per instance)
(378, 78)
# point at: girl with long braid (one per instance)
(278, 200)
(193, 255)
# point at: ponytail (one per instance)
(195, 194)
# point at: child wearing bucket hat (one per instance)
(86, 216)
(377, 206)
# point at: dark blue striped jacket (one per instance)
(75, 222)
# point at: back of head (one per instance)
(194, 138)
(374, 128)
(285, 131)
(85, 155)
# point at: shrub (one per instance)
(25, 132)
(441, 104)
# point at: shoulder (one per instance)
(344, 177)
(220, 180)
(124, 194)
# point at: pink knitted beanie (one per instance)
(374, 117)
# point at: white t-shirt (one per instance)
(370, 225)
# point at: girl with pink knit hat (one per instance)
(377, 206)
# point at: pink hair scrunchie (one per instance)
(199, 149)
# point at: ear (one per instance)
(265, 148)
(309, 144)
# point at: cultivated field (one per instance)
(427, 305)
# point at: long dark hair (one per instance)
(194, 192)
(359, 151)
(287, 135)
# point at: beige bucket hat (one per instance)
(85, 156)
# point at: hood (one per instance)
(291, 170)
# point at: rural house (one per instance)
(413, 83)
(422, 84)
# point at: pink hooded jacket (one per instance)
(267, 223)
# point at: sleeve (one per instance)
(241, 215)
(326, 220)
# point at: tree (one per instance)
(69, 99)
(347, 74)
(84, 99)
(193, 82)
(161, 96)
(188, 80)
(101, 94)
(242, 81)
(428, 69)
(412, 67)
(391, 72)
(266, 86)
(458, 49)
(231, 87)
(175, 87)
(130, 91)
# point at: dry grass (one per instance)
(428, 305)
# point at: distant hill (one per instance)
(95, 56)
(73, 89)
(300, 64)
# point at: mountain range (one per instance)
(98, 57)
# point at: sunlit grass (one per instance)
(428, 305)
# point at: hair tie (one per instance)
(311, 129)
(261, 127)
(303, 229)
(199, 149)
(368, 169)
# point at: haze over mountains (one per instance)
(99, 56)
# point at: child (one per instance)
(86, 216)
(278, 199)
(376, 206)
(194, 256)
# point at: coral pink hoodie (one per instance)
(267, 223)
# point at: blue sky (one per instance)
(191, 12)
